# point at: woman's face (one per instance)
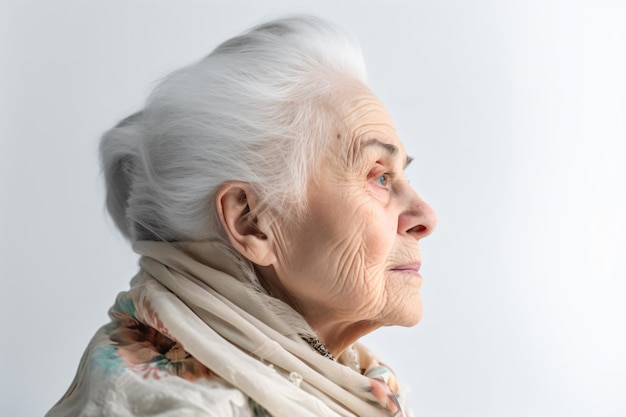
(354, 262)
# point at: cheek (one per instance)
(368, 257)
(329, 250)
(379, 236)
(350, 252)
(345, 251)
(378, 193)
(346, 239)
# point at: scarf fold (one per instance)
(216, 318)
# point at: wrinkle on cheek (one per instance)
(377, 248)
(351, 264)
(281, 243)
(379, 194)
(375, 288)
(356, 286)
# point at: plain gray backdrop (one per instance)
(514, 111)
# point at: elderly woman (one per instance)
(263, 188)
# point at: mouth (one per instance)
(411, 269)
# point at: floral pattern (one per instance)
(140, 342)
(382, 391)
(383, 384)
(147, 350)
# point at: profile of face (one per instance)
(353, 264)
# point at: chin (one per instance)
(413, 320)
(409, 316)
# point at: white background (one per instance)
(514, 110)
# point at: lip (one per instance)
(411, 268)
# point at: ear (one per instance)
(237, 205)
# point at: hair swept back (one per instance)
(253, 111)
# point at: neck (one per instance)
(335, 333)
(339, 336)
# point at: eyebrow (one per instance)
(388, 147)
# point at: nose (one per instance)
(417, 219)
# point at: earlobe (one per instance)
(237, 208)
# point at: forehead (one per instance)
(367, 125)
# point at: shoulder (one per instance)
(132, 369)
(130, 394)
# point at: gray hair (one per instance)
(255, 110)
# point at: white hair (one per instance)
(255, 110)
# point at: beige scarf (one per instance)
(199, 296)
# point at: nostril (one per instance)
(420, 228)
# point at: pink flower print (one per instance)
(379, 377)
(151, 353)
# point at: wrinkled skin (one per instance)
(353, 264)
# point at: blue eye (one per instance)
(383, 180)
